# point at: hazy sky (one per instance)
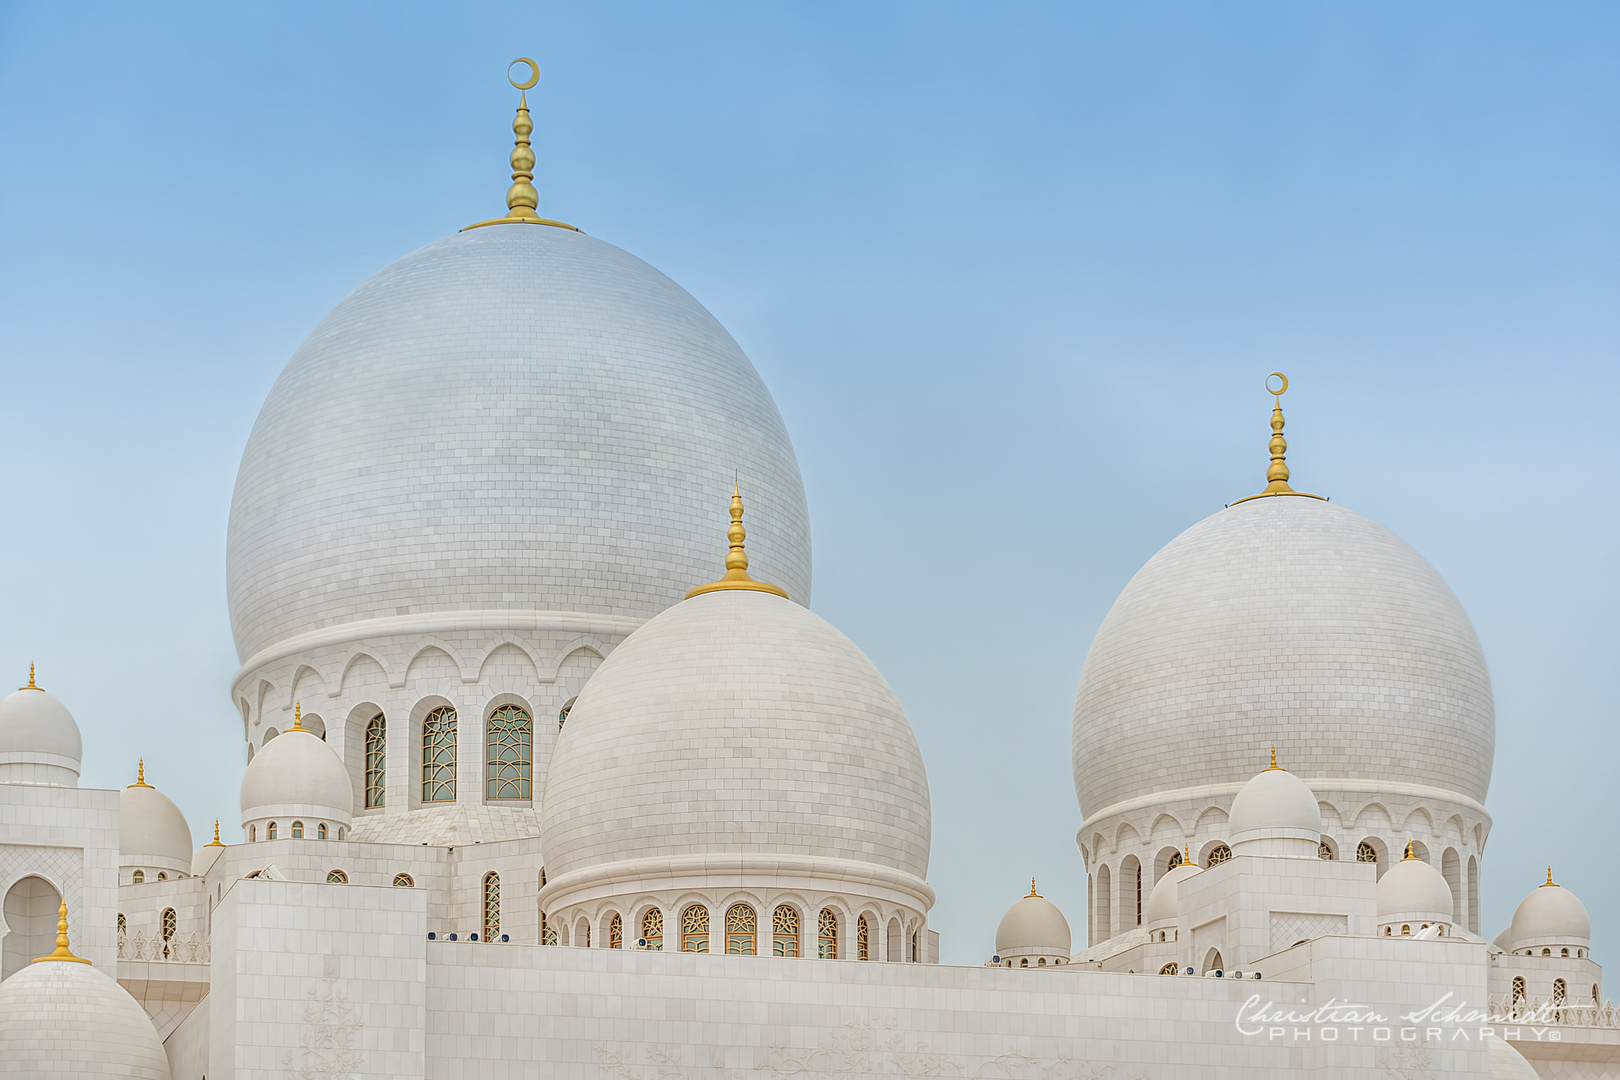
(1014, 274)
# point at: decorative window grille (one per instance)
(1175, 860)
(863, 940)
(652, 928)
(1324, 851)
(1219, 854)
(1365, 852)
(616, 932)
(337, 877)
(439, 755)
(562, 714)
(404, 881)
(827, 935)
(170, 923)
(492, 905)
(376, 762)
(695, 929)
(121, 926)
(1518, 988)
(1168, 969)
(741, 927)
(548, 933)
(1560, 991)
(785, 932)
(510, 760)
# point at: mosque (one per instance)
(552, 771)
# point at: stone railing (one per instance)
(179, 949)
(1545, 1012)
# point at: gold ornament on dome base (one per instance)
(522, 200)
(62, 951)
(736, 575)
(1277, 471)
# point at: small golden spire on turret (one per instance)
(1032, 891)
(31, 685)
(215, 841)
(1410, 853)
(140, 774)
(298, 716)
(522, 200)
(1277, 471)
(62, 951)
(1186, 855)
(1274, 765)
(736, 575)
(1549, 879)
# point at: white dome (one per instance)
(204, 858)
(61, 1018)
(738, 733)
(1164, 902)
(518, 417)
(1285, 621)
(296, 776)
(1033, 926)
(1275, 813)
(39, 740)
(1503, 1062)
(152, 832)
(1550, 917)
(1414, 890)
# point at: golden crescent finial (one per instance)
(534, 74)
(736, 575)
(1277, 471)
(62, 951)
(1277, 375)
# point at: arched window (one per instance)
(1518, 988)
(122, 928)
(1564, 952)
(916, 947)
(1594, 994)
(298, 830)
(1024, 962)
(492, 905)
(562, 714)
(253, 833)
(139, 877)
(548, 933)
(1546, 952)
(404, 881)
(785, 932)
(320, 831)
(652, 928)
(1406, 928)
(169, 924)
(1169, 969)
(336, 877)
(863, 939)
(270, 831)
(1365, 852)
(1324, 851)
(1041, 962)
(439, 755)
(695, 929)
(740, 930)
(1175, 860)
(616, 932)
(376, 761)
(827, 935)
(1559, 991)
(1386, 931)
(165, 877)
(1217, 855)
(509, 770)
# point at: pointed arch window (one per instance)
(827, 935)
(863, 939)
(695, 929)
(169, 924)
(1518, 988)
(509, 764)
(741, 929)
(652, 928)
(439, 755)
(616, 932)
(1560, 991)
(785, 932)
(376, 761)
(492, 905)
(122, 928)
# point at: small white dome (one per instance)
(152, 832)
(64, 1018)
(1551, 916)
(1414, 890)
(1033, 926)
(1275, 813)
(39, 740)
(1164, 902)
(204, 858)
(1503, 1062)
(296, 776)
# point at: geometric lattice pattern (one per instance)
(1289, 927)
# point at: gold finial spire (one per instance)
(140, 774)
(736, 575)
(1274, 765)
(1186, 855)
(522, 200)
(62, 951)
(1032, 891)
(31, 685)
(1277, 471)
(215, 842)
(1549, 878)
(1410, 854)
(298, 716)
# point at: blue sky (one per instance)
(1014, 274)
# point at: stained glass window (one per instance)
(510, 760)
(695, 929)
(616, 932)
(863, 948)
(492, 905)
(740, 930)
(439, 755)
(827, 935)
(785, 932)
(376, 761)
(652, 928)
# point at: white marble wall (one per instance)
(69, 838)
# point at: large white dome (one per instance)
(65, 1018)
(39, 739)
(518, 417)
(1033, 927)
(1550, 917)
(1285, 621)
(296, 776)
(152, 832)
(738, 733)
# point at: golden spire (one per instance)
(215, 842)
(522, 200)
(298, 716)
(1277, 471)
(1186, 855)
(1032, 891)
(1410, 854)
(1274, 765)
(140, 775)
(31, 685)
(736, 575)
(62, 951)
(1549, 879)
